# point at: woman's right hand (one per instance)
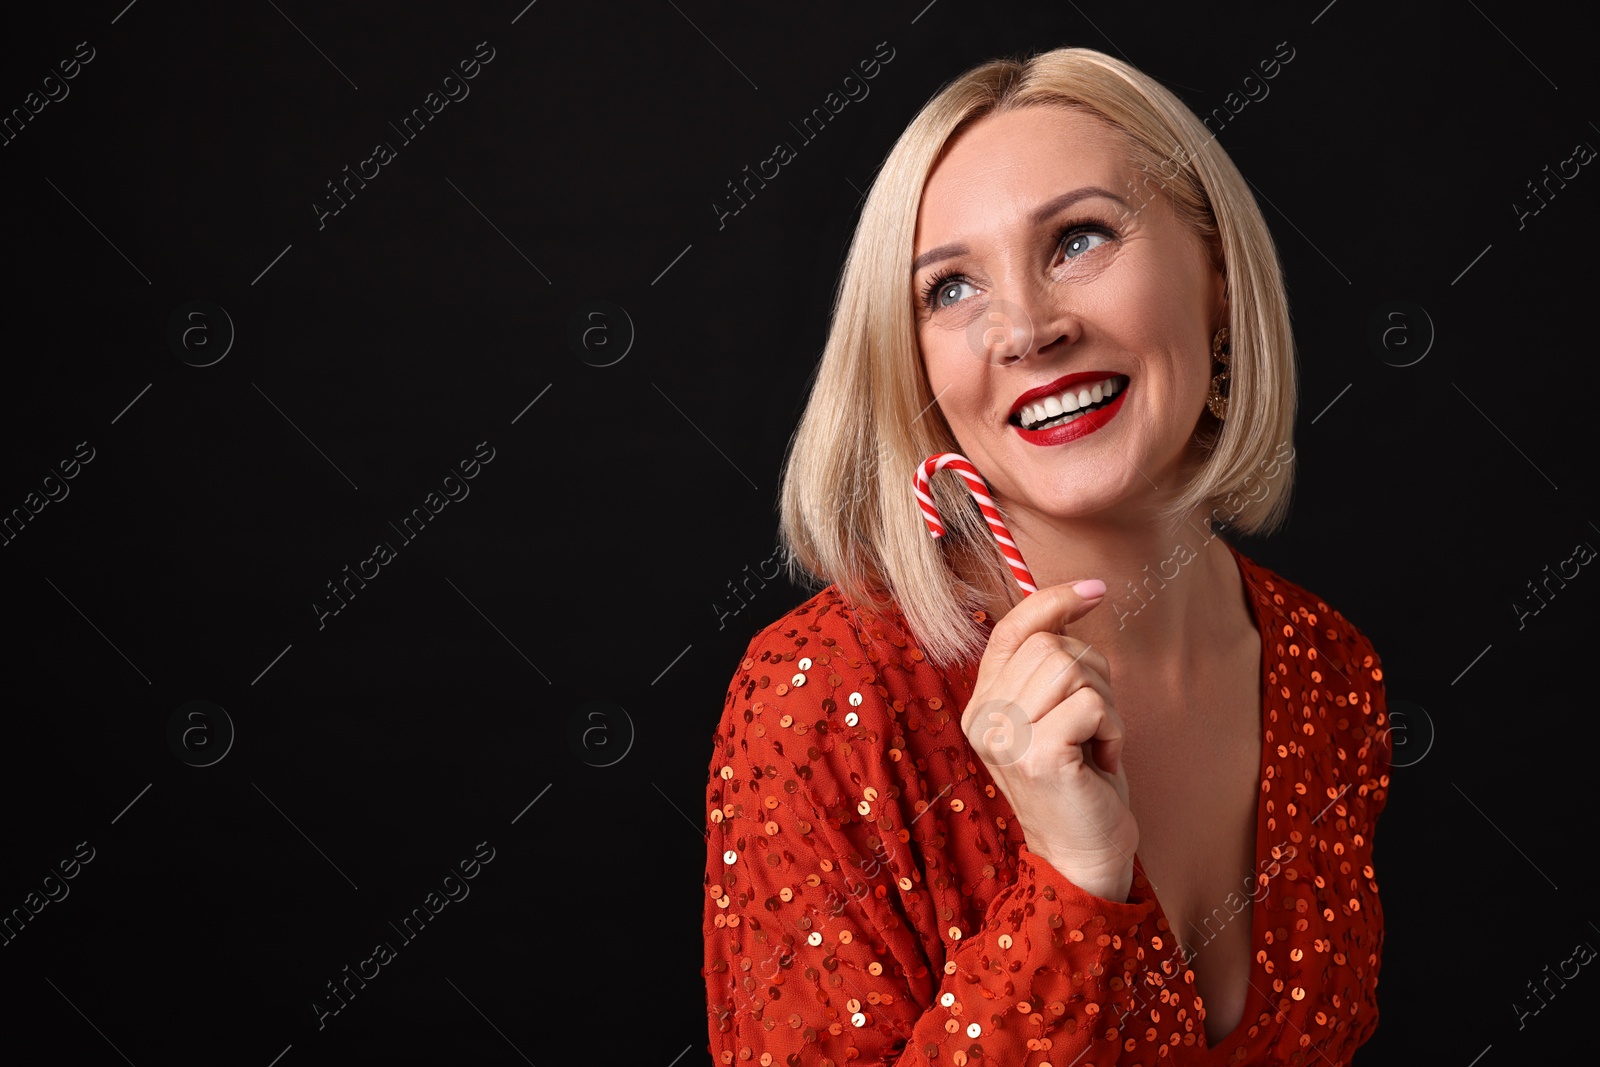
(1042, 720)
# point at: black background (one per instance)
(592, 557)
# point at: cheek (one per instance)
(944, 348)
(959, 396)
(1178, 360)
(954, 377)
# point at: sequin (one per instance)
(838, 889)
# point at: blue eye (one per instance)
(1079, 244)
(1073, 239)
(933, 294)
(944, 287)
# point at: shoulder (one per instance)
(1307, 625)
(792, 667)
(1327, 677)
(825, 630)
(830, 631)
(829, 695)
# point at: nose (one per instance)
(1012, 329)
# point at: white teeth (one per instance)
(1064, 407)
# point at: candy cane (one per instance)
(980, 492)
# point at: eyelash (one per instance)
(932, 288)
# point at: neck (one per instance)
(1172, 594)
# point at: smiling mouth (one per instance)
(1069, 405)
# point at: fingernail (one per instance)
(1090, 588)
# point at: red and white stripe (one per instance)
(980, 492)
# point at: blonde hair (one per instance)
(847, 511)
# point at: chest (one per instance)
(1194, 783)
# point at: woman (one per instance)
(1124, 818)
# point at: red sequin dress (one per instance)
(870, 899)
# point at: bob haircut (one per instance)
(847, 511)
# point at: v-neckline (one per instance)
(1253, 996)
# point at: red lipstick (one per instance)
(1059, 385)
(1081, 426)
(1078, 426)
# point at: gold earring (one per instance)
(1222, 352)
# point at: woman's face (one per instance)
(1022, 296)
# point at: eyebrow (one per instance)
(1040, 214)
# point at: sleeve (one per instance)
(1372, 731)
(1368, 751)
(1383, 738)
(814, 955)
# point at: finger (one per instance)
(1042, 646)
(1068, 667)
(1049, 610)
(1023, 670)
(1089, 723)
(1106, 746)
